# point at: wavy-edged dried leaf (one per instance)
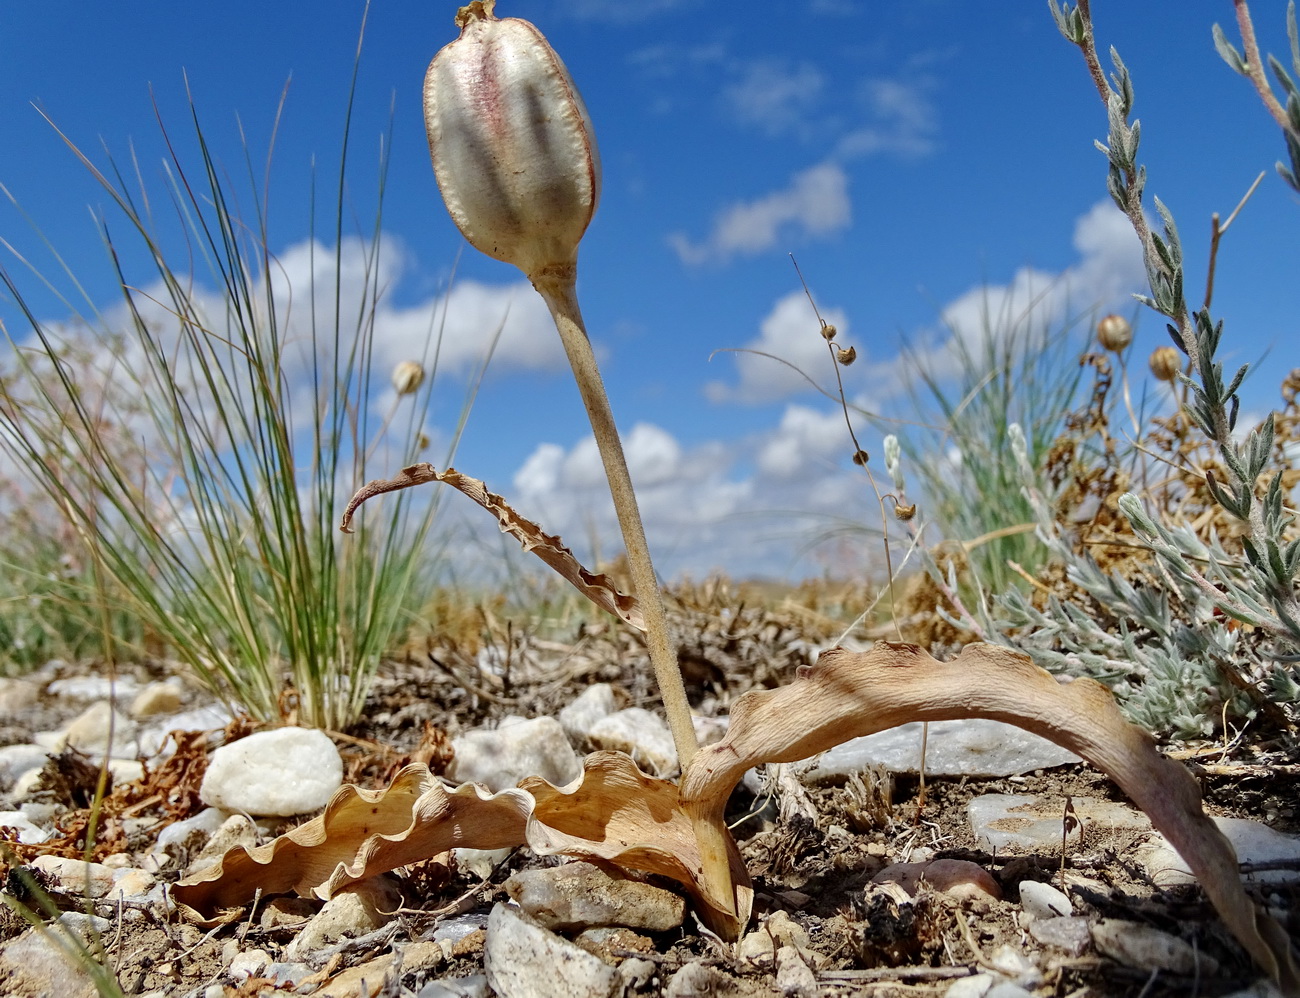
(360, 834)
(548, 547)
(617, 813)
(849, 694)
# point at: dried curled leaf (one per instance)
(617, 813)
(547, 547)
(360, 834)
(849, 694)
(613, 812)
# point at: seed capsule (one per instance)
(1114, 333)
(511, 141)
(407, 377)
(1165, 363)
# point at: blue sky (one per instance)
(916, 157)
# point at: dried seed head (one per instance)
(847, 355)
(407, 377)
(828, 331)
(1114, 333)
(905, 512)
(512, 143)
(860, 458)
(1164, 363)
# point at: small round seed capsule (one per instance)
(1114, 333)
(1164, 363)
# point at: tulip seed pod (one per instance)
(512, 143)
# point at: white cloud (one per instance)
(816, 203)
(747, 506)
(774, 95)
(459, 325)
(900, 119)
(1036, 302)
(807, 443)
(790, 332)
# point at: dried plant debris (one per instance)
(550, 549)
(621, 816)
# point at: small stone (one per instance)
(578, 718)
(473, 986)
(695, 979)
(18, 760)
(244, 965)
(125, 771)
(158, 698)
(366, 981)
(1069, 933)
(131, 883)
(581, 895)
(455, 929)
(90, 732)
(640, 734)
(76, 876)
(360, 908)
(709, 730)
(1011, 962)
(17, 695)
(237, 830)
(637, 973)
(1041, 900)
(480, 862)
(777, 930)
(470, 944)
(154, 733)
(1253, 841)
(612, 942)
(524, 960)
(500, 758)
(29, 833)
(84, 689)
(973, 747)
(958, 878)
(286, 912)
(421, 955)
(794, 978)
(986, 986)
(281, 773)
(35, 964)
(1136, 945)
(182, 839)
(1002, 821)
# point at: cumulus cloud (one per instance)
(790, 332)
(1108, 270)
(113, 365)
(806, 443)
(458, 325)
(774, 95)
(814, 204)
(898, 118)
(747, 506)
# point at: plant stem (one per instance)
(557, 286)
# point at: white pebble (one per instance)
(281, 773)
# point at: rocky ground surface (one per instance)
(1011, 870)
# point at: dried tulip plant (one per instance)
(516, 163)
